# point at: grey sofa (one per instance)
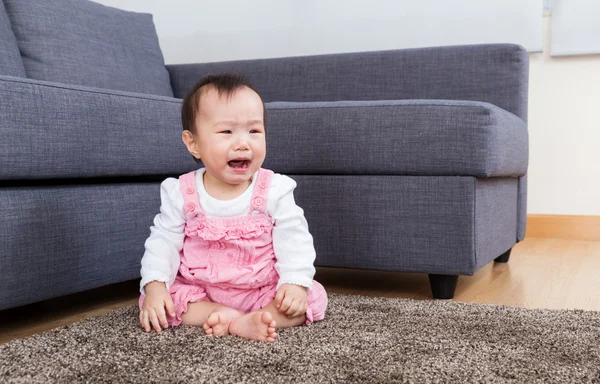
(407, 160)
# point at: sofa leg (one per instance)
(504, 257)
(443, 286)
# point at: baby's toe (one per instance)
(267, 318)
(272, 337)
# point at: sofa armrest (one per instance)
(493, 73)
(396, 137)
(50, 130)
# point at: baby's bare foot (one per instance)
(218, 321)
(255, 326)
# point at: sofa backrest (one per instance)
(80, 42)
(10, 59)
(494, 73)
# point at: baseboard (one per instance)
(564, 227)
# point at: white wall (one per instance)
(206, 30)
(564, 126)
(564, 105)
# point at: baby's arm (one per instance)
(157, 300)
(161, 258)
(293, 245)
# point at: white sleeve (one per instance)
(161, 258)
(292, 242)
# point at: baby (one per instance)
(230, 250)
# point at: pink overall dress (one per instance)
(230, 260)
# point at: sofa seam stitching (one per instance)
(479, 107)
(143, 97)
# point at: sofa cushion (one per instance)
(396, 137)
(10, 59)
(53, 131)
(86, 132)
(85, 43)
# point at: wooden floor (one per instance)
(542, 273)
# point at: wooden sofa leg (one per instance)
(443, 286)
(504, 257)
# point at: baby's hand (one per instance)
(291, 300)
(153, 310)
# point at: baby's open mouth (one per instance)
(239, 164)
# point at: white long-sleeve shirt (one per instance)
(292, 242)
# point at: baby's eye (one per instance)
(255, 131)
(227, 132)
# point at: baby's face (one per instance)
(231, 135)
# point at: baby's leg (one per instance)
(282, 320)
(213, 317)
(261, 324)
(257, 325)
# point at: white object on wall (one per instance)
(207, 31)
(575, 27)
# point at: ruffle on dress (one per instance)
(228, 229)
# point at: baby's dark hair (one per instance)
(224, 83)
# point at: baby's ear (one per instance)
(190, 143)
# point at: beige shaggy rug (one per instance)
(362, 340)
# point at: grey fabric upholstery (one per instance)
(496, 214)
(10, 58)
(496, 74)
(522, 215)
(58, 240)
(443, 224)
(86, 43)
(405, 137)
(104, 128)
(393, 137)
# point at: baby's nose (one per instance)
(242, 143)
